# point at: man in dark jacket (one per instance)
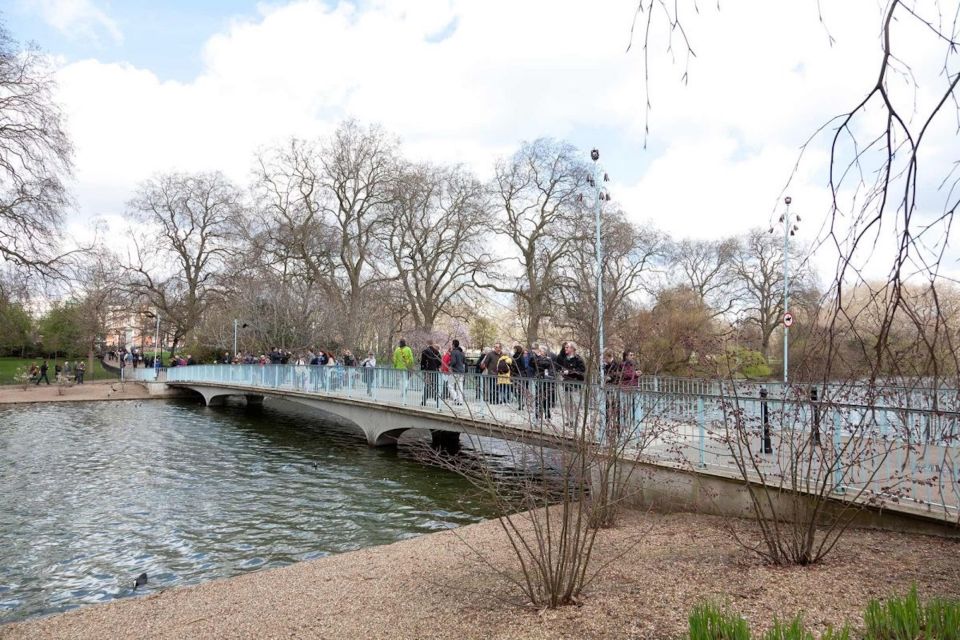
(546, 373)
(572, 370)
(430, 361)
(43, 373)
(458, 367)
(489, 367)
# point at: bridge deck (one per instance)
(906, 459)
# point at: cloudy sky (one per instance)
(182, 85)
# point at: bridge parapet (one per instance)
(870, 445)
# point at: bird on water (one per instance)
(140, 581)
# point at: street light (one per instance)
(244, 326)
(788, 230)
(156, 339)
(598, 250)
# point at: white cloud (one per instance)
(722, 148)
(77, 19)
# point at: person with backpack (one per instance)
(430, 362)
(504, 376)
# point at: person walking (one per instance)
(489, 368)
(404, 363)
(369, 366)
(43, 373)
(458, 367)
(546, 373)
(504, 375)
(430, 363)
(81, 370)
(572, 371)
(445, 374)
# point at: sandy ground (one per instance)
(99, 390)
(435, 587)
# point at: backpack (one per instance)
(503, 365)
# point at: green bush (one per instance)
(794, 630)
(710, 622)
(908, 619)
(894, 619)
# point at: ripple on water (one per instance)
(96, 493)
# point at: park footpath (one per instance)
(443, 585)
(88, 391)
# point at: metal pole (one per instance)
(786, 289)
(234, 337)
(765, 419)
(156, 344)
(595, 155)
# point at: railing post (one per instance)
(701, 419)
(815, 408)
(837, 462)
(765, 418)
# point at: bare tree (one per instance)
(894, 198)
(325, 206)
(758, 268)
(195, 217)
(629, 252)
(98, 285)
(35, 159)
(435, 229)
(537, 191)
(706, 267)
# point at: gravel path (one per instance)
(99, 390)
(435, 587)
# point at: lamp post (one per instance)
(598, 250)
(234, 337)
(788, 230)
(156, 345)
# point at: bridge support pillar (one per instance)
(212, 398)
(445, 440)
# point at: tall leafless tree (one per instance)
(35, 159)
(325, 205)
(191, 222)
(705, 266)
(434, 232)
(537, 195)
(758, 268)
(629, 253)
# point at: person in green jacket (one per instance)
(403, 360)
(403, 357)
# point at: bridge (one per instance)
(893, 447)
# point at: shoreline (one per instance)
(93, 391)
(434, 586)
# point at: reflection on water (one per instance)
(94, 493)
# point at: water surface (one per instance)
(92, 494)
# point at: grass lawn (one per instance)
(9, 366)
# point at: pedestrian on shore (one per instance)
(43, 373)
(81, 370)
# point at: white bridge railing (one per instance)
(889, 445)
